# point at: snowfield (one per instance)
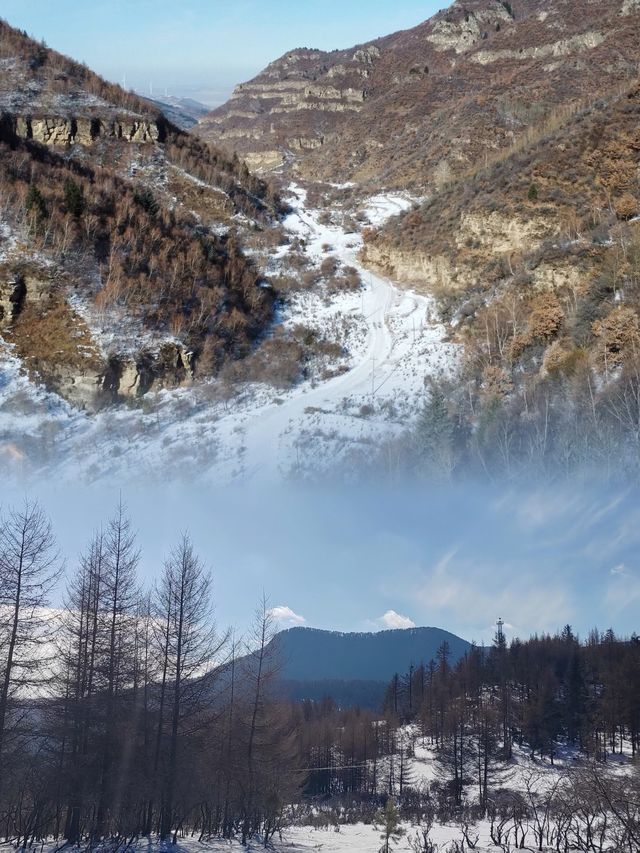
(380, 208)
(356, 838)
(345, 838)
(392, 342)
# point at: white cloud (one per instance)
(620, 569)
(464, 595)
(391, 619)
(286, 616)
(623, 590)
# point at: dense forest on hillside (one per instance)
(547, 694)
(543, 692)
(125, 713)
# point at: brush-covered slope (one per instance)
(120, 236)
(416, 107)
(535, 261)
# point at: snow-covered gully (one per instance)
(401, 346)
(392, 342)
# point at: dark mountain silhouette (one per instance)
(354, 668)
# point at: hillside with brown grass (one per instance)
(518, 124)
(535, 264)
(415, 108)
(120, 235)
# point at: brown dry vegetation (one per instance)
(433, 108)
(55, 74)
(126, 224)
(54, 340)
(249, 195)
(159, 266)
(550, 327)
(562, 283)
(62, 86)
(286, 357)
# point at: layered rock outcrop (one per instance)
(298, 103)
(126, 376)
(68, 130)
(120, 377)
(477, 239)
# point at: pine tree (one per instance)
(435, 433)
(74, 198)
(29, 568)
(390, 826)
(184, 602)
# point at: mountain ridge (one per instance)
(315, 654)
(354, 668)
(413, 107)
(517, 134)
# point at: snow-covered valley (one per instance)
(390, 341)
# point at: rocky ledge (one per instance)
(69, 130)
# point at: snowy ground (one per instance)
(350, 838)
(380, 208)
(365, 838)
(356, 838)
(392, 341)
(325, 836)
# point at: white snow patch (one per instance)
(392, 340)
(380, 208)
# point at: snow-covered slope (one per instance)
(392, 341)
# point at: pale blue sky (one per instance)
(456, 558)
(204, 47)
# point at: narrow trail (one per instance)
(397, 324)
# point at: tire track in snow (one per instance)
(397, 324)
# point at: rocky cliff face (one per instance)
(66, 130)
(66, 355)
(169, 366)
(298, 103)
(16, 288)
(473, 242)
(416, 107)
